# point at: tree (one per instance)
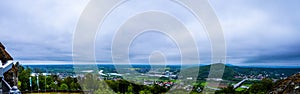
(49, 81)
(53, 86)
(156, 89)
(263, 86)
(90, 83)
(267, 84)
(63, 87)
(41, 83)
(24, 78)
(145, 92)
(104, 88)
(75, 86)
(255, 88)
(130, 89)
(69, 80)
(228, 90)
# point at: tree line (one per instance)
(89, 83)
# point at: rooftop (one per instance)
(4, 55)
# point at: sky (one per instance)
(256, 32)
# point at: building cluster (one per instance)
(261, 76)
(167, 84)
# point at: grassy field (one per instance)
(204, 84)
(239, 89)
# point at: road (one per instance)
(239, 83)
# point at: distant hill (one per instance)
(232, 70)
(203, 72)
(290, 85)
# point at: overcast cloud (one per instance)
(256, 32)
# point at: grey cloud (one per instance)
(255, 31)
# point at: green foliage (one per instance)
(45, 82)
(24, 78)
(123, 86)
(145, 92)
(239, 89)
(63, 87)
(255, 88)
(267, 84)
(72, 83)
(53, 86)
(103, 88)
(90, 82)
(261, 87)
(130, 89)
(228, 90)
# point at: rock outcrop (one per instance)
(290, 85)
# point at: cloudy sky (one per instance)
(256, 32)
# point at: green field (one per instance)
(239, 89)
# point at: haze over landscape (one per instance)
(256, 33)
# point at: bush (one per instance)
(63, 87)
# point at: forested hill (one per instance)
(203, 72)
(231, 71)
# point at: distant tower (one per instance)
(6, 65)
